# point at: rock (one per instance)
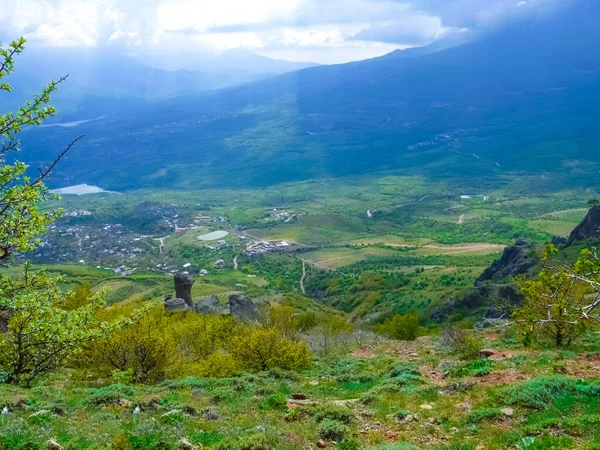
(321, 443)
(508, 412)
(410, 418)
(314, 382)
(176, 305)
(208, 305)
(587, 228)
(486, 352)
(244, 308)
(432, 420)
(53, 445)
(426, 406)
(515, 260)
(184, 444)
(183, 288)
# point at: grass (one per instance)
(364, 402)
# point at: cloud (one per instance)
(325, 30)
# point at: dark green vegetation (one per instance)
(523, 101)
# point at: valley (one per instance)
(281, 239)
(396, 249)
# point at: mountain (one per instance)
(247, 62)
(523, 100)
(101, 75)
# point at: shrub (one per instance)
(402, 327)
(218, 365)
(349, 444)
(146, 348)
(538, 392)
(460, 341)
(110, 395)
(333, 430)
(483, 414)
(337, 413)
(265, 348)
(252, 442)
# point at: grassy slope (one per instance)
(465, 399)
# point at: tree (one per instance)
(20, 218)
(402, 327)
(37, 333)
(593, 202)
(561, 304)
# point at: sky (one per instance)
(322, 31)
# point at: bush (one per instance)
(336, 413)
(402, 327)
(483, 414)
(539, 392)
(349, 444)
(265, 348)
(218, 365)
(333, 430)
(110, 395)
(147, 349)
(460, 341)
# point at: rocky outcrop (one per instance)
(494, 286)
(208, 305)
(244, 308)
(588, 228)
(516, 260)
(176, 305)
(183, 288)
(240, 307)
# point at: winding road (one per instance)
(303, 276)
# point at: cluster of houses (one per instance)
(257, 248)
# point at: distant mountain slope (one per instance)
(247, 62)
(105, 74)
(523, 100)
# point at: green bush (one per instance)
(337, 413)
(397, 446)
(539, 392)
(333, 430)
(349, 444)
(110, 395)
(483, 414)
(403, 327)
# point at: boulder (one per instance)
(176, 305)
(244, 308)
(183, 288)
(588, 228)
(208, 305)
